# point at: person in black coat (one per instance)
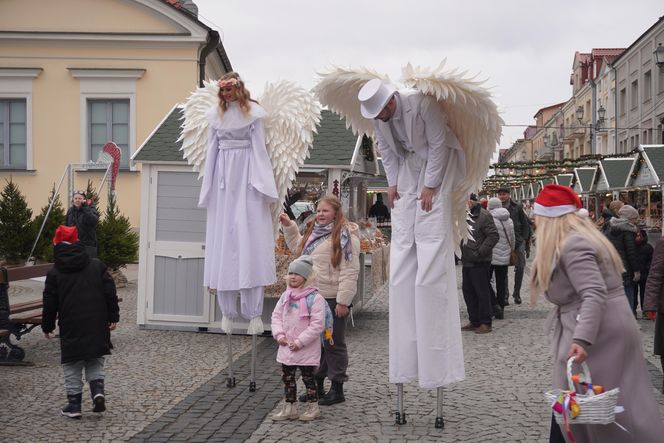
(84, 217)
(476, 256)
(81, 294)
(644, 251)
(622, 234)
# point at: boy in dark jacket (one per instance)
(81, 294)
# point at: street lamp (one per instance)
(659, 57)
(601, 113)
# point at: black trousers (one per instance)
(475, 287)
(500, 272)
(334, 358)
(290, 384)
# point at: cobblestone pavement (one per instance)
(170, 386)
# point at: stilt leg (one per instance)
(252, 381)
(440, 424)
(230, 381)
(400, 415)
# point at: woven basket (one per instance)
(595, 408)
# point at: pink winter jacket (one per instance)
(304, 331)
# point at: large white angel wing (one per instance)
(472, 116)
(338, 89)
(292, 117)
(195, 124)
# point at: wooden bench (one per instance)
(20, 318)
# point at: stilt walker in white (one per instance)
(248, 155)
(436, 138)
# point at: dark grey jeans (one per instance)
(334, 358)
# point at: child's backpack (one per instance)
(329, 319)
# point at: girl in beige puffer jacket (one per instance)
(334, 245)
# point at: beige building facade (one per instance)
(110, 71)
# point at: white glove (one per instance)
(637, 277)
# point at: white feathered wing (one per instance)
(472, 116)
(292, 117)
(338, 88)
(195, 124)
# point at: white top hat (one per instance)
(373, 97)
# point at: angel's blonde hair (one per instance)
(241, 93)
(552, 234)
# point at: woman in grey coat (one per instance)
(500, 259)
(579, 271)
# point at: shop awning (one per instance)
(565, 179)
(614, 173)
(653, 158)
(585, 177)
(537, 187)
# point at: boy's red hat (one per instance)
(556, 200)
(67, 234)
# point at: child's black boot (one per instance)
(97, 395)
(73, 407)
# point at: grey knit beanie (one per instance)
(494, 203)
(303, 266)
(628, 212)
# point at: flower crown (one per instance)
(228, 82)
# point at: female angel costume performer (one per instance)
(250, 155)
(436, 138)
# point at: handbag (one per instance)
(514, 256)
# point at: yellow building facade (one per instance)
(75, 74)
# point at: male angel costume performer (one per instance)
(252, 157)
(436, 139)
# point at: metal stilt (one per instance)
(440, 424)
(230, 381)
(252, 380)
(400, 415)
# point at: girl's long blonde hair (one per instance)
(242, 94)
(552, 234)
(339, 222)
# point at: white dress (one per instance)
(238, 186)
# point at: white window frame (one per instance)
(106, 84)
(17, 83)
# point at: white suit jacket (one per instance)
(427, 131)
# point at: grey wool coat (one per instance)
(591, 307)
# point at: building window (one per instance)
(623, 101)
(660, 88)
(108, 120)
(647, 86)
(108, 110)
(634, 94)
(13, 134)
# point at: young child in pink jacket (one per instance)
(297, 327)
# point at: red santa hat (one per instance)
(556, 200)
(67, 234)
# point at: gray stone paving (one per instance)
(170, 386)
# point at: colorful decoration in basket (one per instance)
(580, 379)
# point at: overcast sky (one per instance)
(524, 48)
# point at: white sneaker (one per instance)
(288, 411)
(311, 411)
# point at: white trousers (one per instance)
(251, 302)
(425, 331)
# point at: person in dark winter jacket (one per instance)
(84, 217)
(609, 212)
(653, 306)
(522, 234)
(476, 257)
(81, 294)
(644, 251)
(622, 234)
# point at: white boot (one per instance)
(311, 412)
(288, 411)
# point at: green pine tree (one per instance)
(44, 248)
(116, 241)
(91, 194)
(16, 233)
